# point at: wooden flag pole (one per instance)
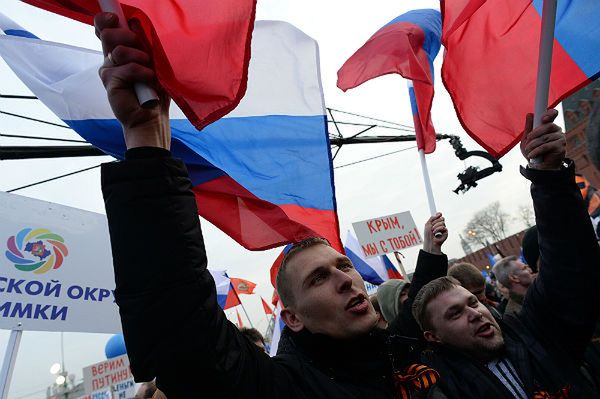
(10, 358)
(146, 95)
(544, 64)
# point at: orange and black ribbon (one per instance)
(562, 394)
(415, 377)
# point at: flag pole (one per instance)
(424, 169)
(146, 95)
(10, 358)
(544, 64)
(427, 180)
(242, 305)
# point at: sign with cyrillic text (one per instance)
(124, 390)
(111, 374)
(56, 270)
(387, 234)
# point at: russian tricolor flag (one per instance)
(491, 59)
(374, 270)
(225, 296)
(263, 174)
(407, 45)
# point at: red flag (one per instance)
(266, 306)
(242, 286)
(240, 324)
(232, 298)
(491, 59)
(200, 51)
(406, 45)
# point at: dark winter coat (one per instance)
(546, 340)
(174, 329)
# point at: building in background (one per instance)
(577, 109)
(481, 258)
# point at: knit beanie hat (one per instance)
(387, 296)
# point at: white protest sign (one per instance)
(387, 234)
(124, 390)
(107, 374)
(56, 270)
(99, 395)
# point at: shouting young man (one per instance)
(537, 352)
(175, 330)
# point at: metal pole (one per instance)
(243, 308)
(401, 266)
(62, 352)
(10, 358)
(544, 63)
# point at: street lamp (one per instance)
(60, 380)
(55, 368)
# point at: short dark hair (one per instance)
(282, 281)
(503, 268)
(428, 293)
(467, 274)
(252, 334)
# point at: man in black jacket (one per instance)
(536, 353)
(174, 329)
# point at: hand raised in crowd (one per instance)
(126, 63)
(432, 243)
(546, 143)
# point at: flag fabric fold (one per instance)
(200, 58)
(376, 270)
(262, 174)
(491, 58)
(407, 45)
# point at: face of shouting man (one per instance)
(323, 292)
(458, 320)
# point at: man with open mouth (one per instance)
(537, 352)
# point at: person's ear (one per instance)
(431, 337)
(291, 320)
(513, 278)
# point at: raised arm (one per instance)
(431, 264)
(563, 303)
(174, 329)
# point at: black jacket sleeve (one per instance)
(429, 267)
(174, 329)
(563, 304)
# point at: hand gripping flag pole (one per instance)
(544, 64)
(145, 94)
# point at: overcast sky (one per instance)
(378, 187)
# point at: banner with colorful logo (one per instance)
(55, 268)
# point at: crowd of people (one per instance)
(443, 335)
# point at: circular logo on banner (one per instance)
(36, 250)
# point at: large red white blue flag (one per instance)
(407, 45)
(200, 51)
(490, 64)
(262, 174)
